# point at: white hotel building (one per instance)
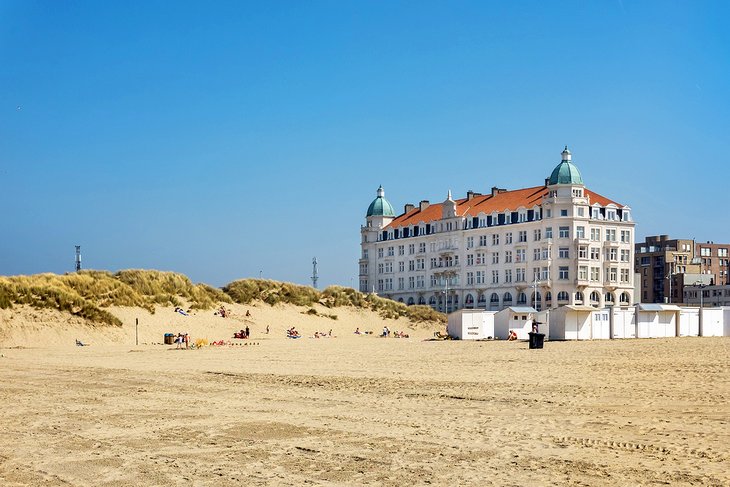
(544, 246)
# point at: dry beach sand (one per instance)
(352, 410)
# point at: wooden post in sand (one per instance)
(136, 332)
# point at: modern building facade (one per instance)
(544, 246)
(666, 265)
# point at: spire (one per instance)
(381, 192)
(448, 198)
(566, 154)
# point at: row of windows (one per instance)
(496, 219)
(520, 298)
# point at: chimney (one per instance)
(547, 181)
(423, 205)
(469, 195)
(496, 190)
(408, 208)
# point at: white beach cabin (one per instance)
(471, 324)
(571, 322)
(656, 320)
(517, 318)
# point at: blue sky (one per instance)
(224, 139)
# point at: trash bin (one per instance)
(536, 340)
(169, 338)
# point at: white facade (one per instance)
(545, 247)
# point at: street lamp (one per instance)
(702, 286)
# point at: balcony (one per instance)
(582, 282)
(611, 244)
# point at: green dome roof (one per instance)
(566, 172)
(380, 206)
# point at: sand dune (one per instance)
(359, 409)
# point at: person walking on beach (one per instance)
(247, 331)
(187, 341)
(267, 329)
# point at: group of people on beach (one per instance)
(182, 339)
(242, 334)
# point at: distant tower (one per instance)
(314, 273)
(78, 258)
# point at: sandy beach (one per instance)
(358, 410)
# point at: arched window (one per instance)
(432, 301)
(400, 300)
(507, 299)
(578, 297)
(625, 298)
(411, 301)
(421, 300)
(609, 297)
(548, 297)
(469, 301)
(522, 298)
(595, 297)
(563, 296)
(481, 299)
(494, 299)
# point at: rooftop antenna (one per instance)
(315, 277)
(78, 258)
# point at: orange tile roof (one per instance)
(486, 204)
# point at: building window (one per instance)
(537, 235)
(626, 236)
(520, 276)
(495, 277)
(581, 211)
(583, 273)
(495, 257)
(411, 265)
(612, 274)
(549, 232)
(563, 212)
(580, 232)
(380, 253)
(536, 254)
(596, 234)
(480, 277)
(495, 239)
(610, 235)
(595, 253)
(522, 236)
(563, 273)
(508, 238)
(401, 266)
(564, 232)
(563, 253)
(595, 274)
(469, 242)
(563, 297)
(625, 256)
(508, 275)
(422, 247)
(582, 252)
(625, 276)
(470, 278)
(411, 249)
(613, 255)
(508, 256)
(401, 250)
(520, 255)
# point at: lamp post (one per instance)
(702, 286)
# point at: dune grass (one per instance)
(87, 293)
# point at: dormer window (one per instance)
(610, 214)
(577, 193)
(507, 217)
(596, 213)
(627, 216)
(522, 217)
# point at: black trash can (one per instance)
(536, 340)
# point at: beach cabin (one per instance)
(571, 322)
(471, 324)
(624, 322)
(689, 322)
(726, 321)
(656, 320)
(517, 318)
(712, 322)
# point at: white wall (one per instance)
(689, 322)
(471, 325)
(712, 322)
(624, 323)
